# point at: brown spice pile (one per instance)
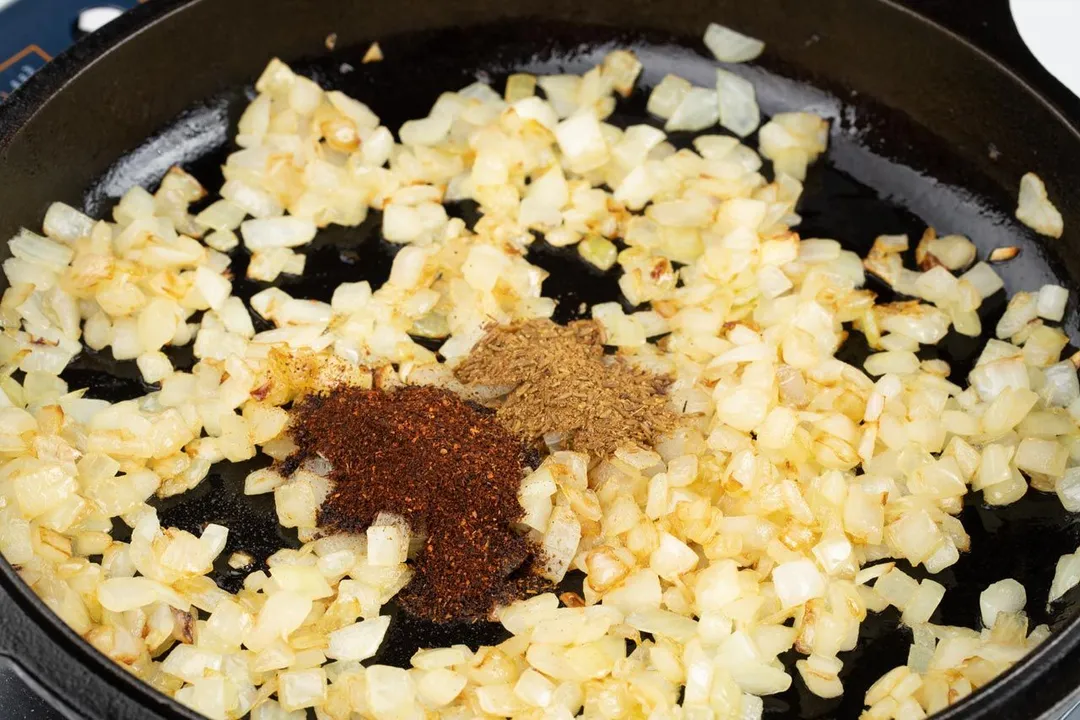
(450, 469)
(564, 383)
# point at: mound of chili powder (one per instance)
(449, 468)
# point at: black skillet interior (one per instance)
(835, 205)
(885, 173)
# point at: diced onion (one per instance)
(358, 641)
(738, 108)
(668, 95)
(1034, 208)
(797, 581)
(698, 110)
(1050, 302)
(727, 45)
(1066, 576)
(1004, 596)
(769, 517)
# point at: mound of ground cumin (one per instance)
(449, 467)
(564, 383)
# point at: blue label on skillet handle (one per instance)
(19, 67)
(32, 32)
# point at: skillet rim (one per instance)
(1055, 655)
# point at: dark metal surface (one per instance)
(915, 112)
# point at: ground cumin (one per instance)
(564, 383)
(449, 468)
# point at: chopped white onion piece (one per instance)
(1035, 210)
(1066, 576)
(698, 110)
(727, 45)
(738, 108)
(1050, 302)
(262, 234)
(582, 141)
(358, 641)
(797, 581)
(1004, 596)
(668, 95)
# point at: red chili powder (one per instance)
(449, 468)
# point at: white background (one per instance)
(1050, 27)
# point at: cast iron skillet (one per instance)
(926, 130)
